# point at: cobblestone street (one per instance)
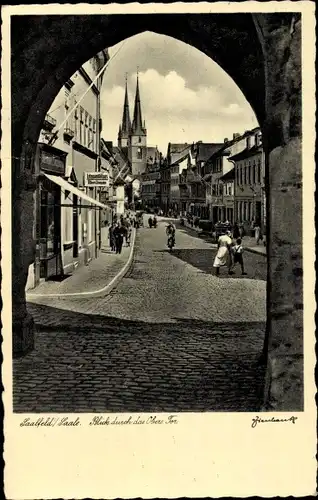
(170, 337)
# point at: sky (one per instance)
(185, 95)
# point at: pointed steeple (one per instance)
(126, 124)
(137, 125)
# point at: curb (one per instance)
(102, 292)
(257, 252)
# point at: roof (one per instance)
(229, 176)
(181, 156)
(152, 152)
(246, 153)
(122, 161)
(206, 149)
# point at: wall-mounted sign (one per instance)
(52, 163)
(95, 179)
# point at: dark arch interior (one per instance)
(225, 38)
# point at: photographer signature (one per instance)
(259, 420)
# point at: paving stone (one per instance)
(169, 338)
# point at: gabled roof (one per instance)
(123, 163)
(181, 156)
(246, 153)
(177, 148)
(206, 149)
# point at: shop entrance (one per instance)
(50, 230)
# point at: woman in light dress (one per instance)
(224, 253)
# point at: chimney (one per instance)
(258, 139)
(236, 135)
(226, 140)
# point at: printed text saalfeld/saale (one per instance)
(50, 422)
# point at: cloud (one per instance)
(173, 112)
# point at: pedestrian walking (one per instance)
(236, 231)
(111, 238)
(238, 255)
(128, 236)
(257, 233)
(150, 222)
(224, 253)
(119, 238)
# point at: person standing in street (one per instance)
(257, 233)
(236, 231)
(119, 238)
(238, 255)
(111, 238)
(224, 253)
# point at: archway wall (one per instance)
(281, 40)
(262, 55)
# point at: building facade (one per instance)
(249, 182)
(227, 181)
(151, 180)
(66, 201)
(165, 179)
(177, 161)
(217, 166)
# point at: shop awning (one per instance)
(69, 187)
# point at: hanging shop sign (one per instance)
(96, 179)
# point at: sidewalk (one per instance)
(99, 277)
(248, 242)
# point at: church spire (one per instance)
(126, 124)
(137, 126)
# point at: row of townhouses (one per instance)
(215, 181)
(80, 178)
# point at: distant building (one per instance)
(151, 180)
(132, 137)
(249, 181)
(216, 166)
(165, 179)
(177, 160)
(200, 152)
(228, 195)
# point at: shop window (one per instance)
(50, 221)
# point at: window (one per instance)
(241, 174)
(90, 133)
(259, 171)
(249, 173)
(253, 173)
(139, 153)
(230, 189)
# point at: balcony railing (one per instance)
(49, 123)
(68, 132)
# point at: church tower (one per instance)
(138, 138)
(125, 127)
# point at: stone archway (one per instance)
(262, 53)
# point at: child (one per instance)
(238, 254)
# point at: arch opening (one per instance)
(52, 49)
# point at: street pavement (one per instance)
(171, 337)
